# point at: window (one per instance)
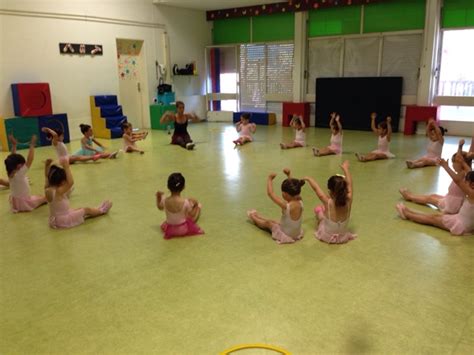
(456, 77)
(265, 74)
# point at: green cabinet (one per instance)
(156, 111)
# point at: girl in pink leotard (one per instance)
(461, 223)
(298, 125)
(384, 131)
(435, 134)
(333, 216)
(181, 214)
(245, 129)
(288, 229)
(335, 146)
(450, 203)
(17, 168)
(58, 184)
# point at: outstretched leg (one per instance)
(74, 158)
(420, 163)
(323, 151)
(370, 157)
(131, 149)
(290, 145)
(432, 199)
(260, 221)
(99, 211)
(435, 219)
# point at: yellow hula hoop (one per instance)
(255, 346)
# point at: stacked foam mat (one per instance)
(33, 111)
(107, 116)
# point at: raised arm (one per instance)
(373, 116)
(458, 179)
(347, 173)
(13, 142)
(389, 128)
(439, 134)
(69, 179)
(167, 117)
(53, 134)
(159, 200)
(47, 165)
(272, 194)
(31, 152)
(332, 118)
(338, 122)
(319, 192)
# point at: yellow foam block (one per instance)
(271, 119)
(98, 123)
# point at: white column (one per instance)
(429, 56)
(299, 89)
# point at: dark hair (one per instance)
(298, 120)
(443, 130)
(125, 126)
(84, 128)
(338, 186)
(176, 182)
(383, 125)
(292, 186)
(465, 156)
(56, 175)
(12, 161)
(58, 131)
(246, 116)
(178, 103)
(470, 177)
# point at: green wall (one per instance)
(458, 13)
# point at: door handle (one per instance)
(138, 87)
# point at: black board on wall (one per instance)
(356, 98)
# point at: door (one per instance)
(132, 85)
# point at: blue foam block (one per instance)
(105, 100)
(53, 121)
(116, 132)
(111, 110)
(115, 121)
(16, 100)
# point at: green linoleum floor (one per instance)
(114, 285)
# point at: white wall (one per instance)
(30, 52)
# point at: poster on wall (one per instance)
(81, 49)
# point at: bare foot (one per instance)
(360, 157)
(405, 193)
(410, 164)
(401, 210)
(315, 152)
(282, 146)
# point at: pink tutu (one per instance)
(71, 219)
(333, 238)
(186, 229)
(281, 237)
(336, 148)
(456, 225)
(450, 204)
(26, 204)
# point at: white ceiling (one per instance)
(213, 4)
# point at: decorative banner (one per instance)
(283, 7)
(80, 49)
